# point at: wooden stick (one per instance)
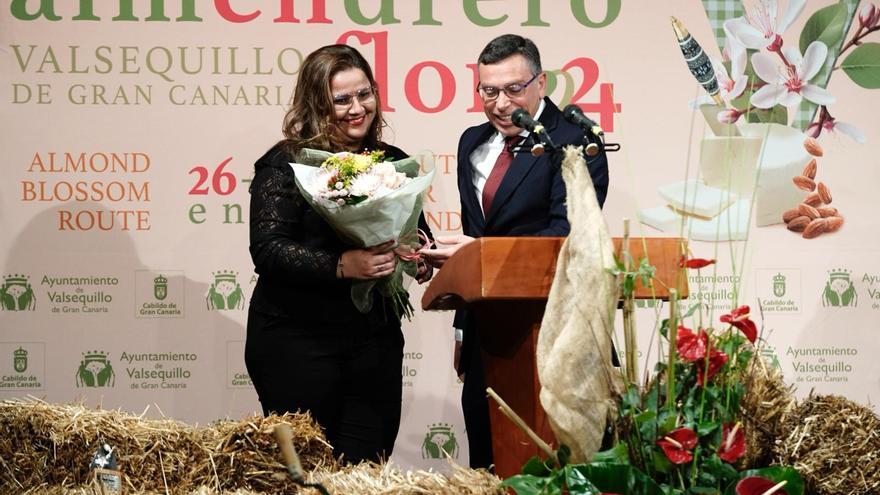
(629, 335)
(507, 411)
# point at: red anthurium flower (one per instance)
(694, 262)
(691, 347)
(733, 443)
(677, 445)
(716, 361)
(756, 485)
(739, 318)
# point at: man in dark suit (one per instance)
(507, 193)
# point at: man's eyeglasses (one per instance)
(345, 100)
(489, 93)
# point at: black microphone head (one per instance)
(570, 112)
(520, 117)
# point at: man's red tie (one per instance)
(501, 165)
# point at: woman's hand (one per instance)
(367, 264)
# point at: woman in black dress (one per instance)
(308, 348)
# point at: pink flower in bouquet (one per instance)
(691, 347)
(791, 84)
(739, 318)
(677, 445)
(733, 443)
(869, 16)
(756, 485)
(729, 115)
(762, 28)
(717, 359)
(694, 262)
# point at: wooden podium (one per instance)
(504, 281)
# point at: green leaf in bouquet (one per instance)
(776, 474)
(660, 462)
(704, 489)
(631, 398)
(664, 328)
(825, 25)
(863, 65)
(621, 478)
(668, 421)
(619, 454)
(691, 310)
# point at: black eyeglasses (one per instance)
(345, 100)
(489, 93)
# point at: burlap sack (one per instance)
(574, 345)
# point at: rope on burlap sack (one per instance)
(578, 382)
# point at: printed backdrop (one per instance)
(130, 130)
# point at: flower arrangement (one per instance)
(368, 201)
(683, 432)
(350, 178)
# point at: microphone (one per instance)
(521, 118)
(575, 115)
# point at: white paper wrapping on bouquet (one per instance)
(375, 220)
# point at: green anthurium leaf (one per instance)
(619, 478)
(526, 484)
(660, 461)
(776, 474)
(707, 428)
(536, 467)
(577, 482)
(668, 421)
(619, 454)
(647, 423)
(825, 25)
(863, 65)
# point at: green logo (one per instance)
(225, 292)
(16, 294)
(160, 287)
(95, 371)
(779, 285)
(440, 442)
(839, 290)
(19, 360)
(646, 303)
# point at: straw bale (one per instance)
(835, 444)
(46, 449)
(52, 445)
(764, 407)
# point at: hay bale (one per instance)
(834, 443)
(51, 445)
(766, 403)
(46, 449)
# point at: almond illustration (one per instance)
(824, 193)
(790, 215)
(815, 228)
(810, 169)
(808, 211)
(803, 182)
(833, 224)
(813, 147)
(798, 224)
(827, 211)
(813, 199)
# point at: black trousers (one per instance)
(349, 380)
(474, 403)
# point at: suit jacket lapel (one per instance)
(522, 163)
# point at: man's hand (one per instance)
(446, 246)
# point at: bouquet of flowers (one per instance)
(368, 200)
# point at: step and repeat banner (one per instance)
(130, 130)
